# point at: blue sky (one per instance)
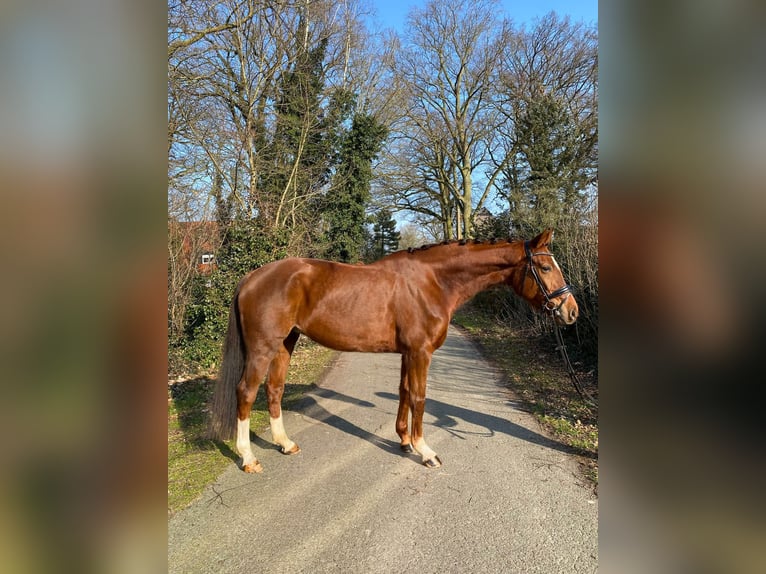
(393, 13)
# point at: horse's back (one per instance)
(380, 307)
(336, 304)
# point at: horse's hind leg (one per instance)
(255, 370)
(275, 388)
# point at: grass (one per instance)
(535, 372)
(193, 461)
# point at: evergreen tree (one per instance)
(385, 238)
(345, 205)
(297, 117)
(550, 168)
(306, 144)
(223, 205)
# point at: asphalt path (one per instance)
(507, 499)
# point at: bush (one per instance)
(575, 247)
(246, 246)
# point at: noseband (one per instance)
(550, 304)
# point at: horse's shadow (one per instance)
(310, 407)
(446, 415)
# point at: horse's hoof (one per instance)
(295, 450)
(434, 462)
(406, 448)
(253, 467)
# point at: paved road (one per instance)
(507, 500)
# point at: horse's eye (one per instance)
(546, 268)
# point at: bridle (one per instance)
(550, 303)
(553, 309)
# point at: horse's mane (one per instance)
(454, 242)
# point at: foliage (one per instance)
(304, 147)
(246, 246)
(384, 238)
(575, 247)
(546, 181)
(345, 207)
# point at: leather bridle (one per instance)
(550, 303)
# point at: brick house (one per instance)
(195, 241)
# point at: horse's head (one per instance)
(542, 283)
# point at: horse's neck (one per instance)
(463, 275)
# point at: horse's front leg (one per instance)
(417, 364)
(402, 416)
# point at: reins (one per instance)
(561, 347)
(553, 311)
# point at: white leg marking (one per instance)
(279, 435)
(425, 451)
(243, 441)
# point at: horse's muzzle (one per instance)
(570, 316)
(567, 316)
(566, 312)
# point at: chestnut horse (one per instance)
(402, 303)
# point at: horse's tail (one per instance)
(222, 423)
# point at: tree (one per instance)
(345, 206)
(547, 167)
(447, 69)
(385, 238)
(251, 92)
(306, 148)
(551, 132)
(548, 98)
(260, 107)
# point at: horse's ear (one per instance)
(543, 240)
